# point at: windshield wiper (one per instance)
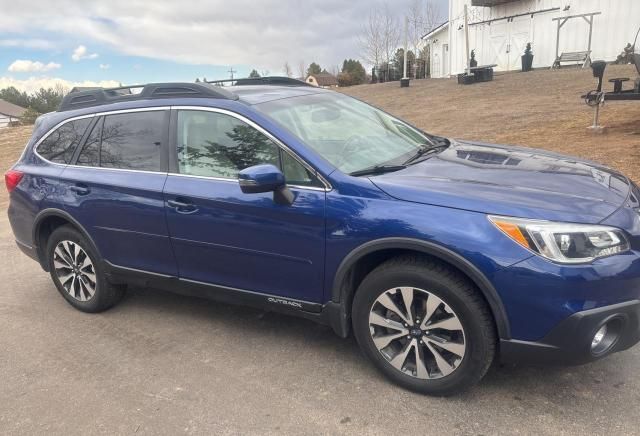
(378, 169)
(425, 150)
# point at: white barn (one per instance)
(499, 31)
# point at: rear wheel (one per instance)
(77, 272)
(424, 326)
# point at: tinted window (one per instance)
(218, 145)
(132, 141)
(61, 143)
(90, 154)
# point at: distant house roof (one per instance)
(10, 109)
(325, 79)
(436, 30)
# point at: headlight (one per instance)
(563, 242)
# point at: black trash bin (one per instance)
(483, 75)
(466, 79)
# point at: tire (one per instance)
(84, 285)
(460, 330)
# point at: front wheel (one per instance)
(77, 272)
(424, 326)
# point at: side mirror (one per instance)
(265, 178)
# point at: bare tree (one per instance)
(302, 70)
(423, 18)
(371, 38)
(390, 35)
(61, 89)
(287, 69)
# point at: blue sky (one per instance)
(137, 41)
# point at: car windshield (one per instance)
(350, 134)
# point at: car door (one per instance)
(114, 189)
(223, 237)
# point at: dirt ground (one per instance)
(163, 364)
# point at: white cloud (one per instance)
(27, 66)
(105, 66)
(260, 34)
(38, 44)
(33, 84)
(81, 53)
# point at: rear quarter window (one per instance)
(60, 144)
(131, 141)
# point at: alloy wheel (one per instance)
(417, 333)
(74, 270)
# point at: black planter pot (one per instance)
(527, 62)
(473, 63)
(466, 79)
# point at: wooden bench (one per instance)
(578, 57)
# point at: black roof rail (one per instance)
(269, 80)
(89, 97)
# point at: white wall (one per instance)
(4, 121)
(437, 42)
(612, 30)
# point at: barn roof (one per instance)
(10, 109)
(436, 30)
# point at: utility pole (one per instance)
(466, 34)
(404, 82)
(406, 45)
(232, 71)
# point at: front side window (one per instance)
(218, 145)
(131, 141)
(61, 143)
(350, 134)
(296, 174)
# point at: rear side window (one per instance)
(59, 146)
(90, 155)
(131, 141)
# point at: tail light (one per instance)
(12, 178)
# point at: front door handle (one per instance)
(182, 206)
(80, 189)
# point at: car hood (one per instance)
(513, 181)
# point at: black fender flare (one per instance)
(431, 249)
(49, 212)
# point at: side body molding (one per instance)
(444, 254)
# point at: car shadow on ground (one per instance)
(524, 384)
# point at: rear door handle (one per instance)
(182, 206)
(80, 189)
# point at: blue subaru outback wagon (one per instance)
(440, 255)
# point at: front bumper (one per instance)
(569, 343)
